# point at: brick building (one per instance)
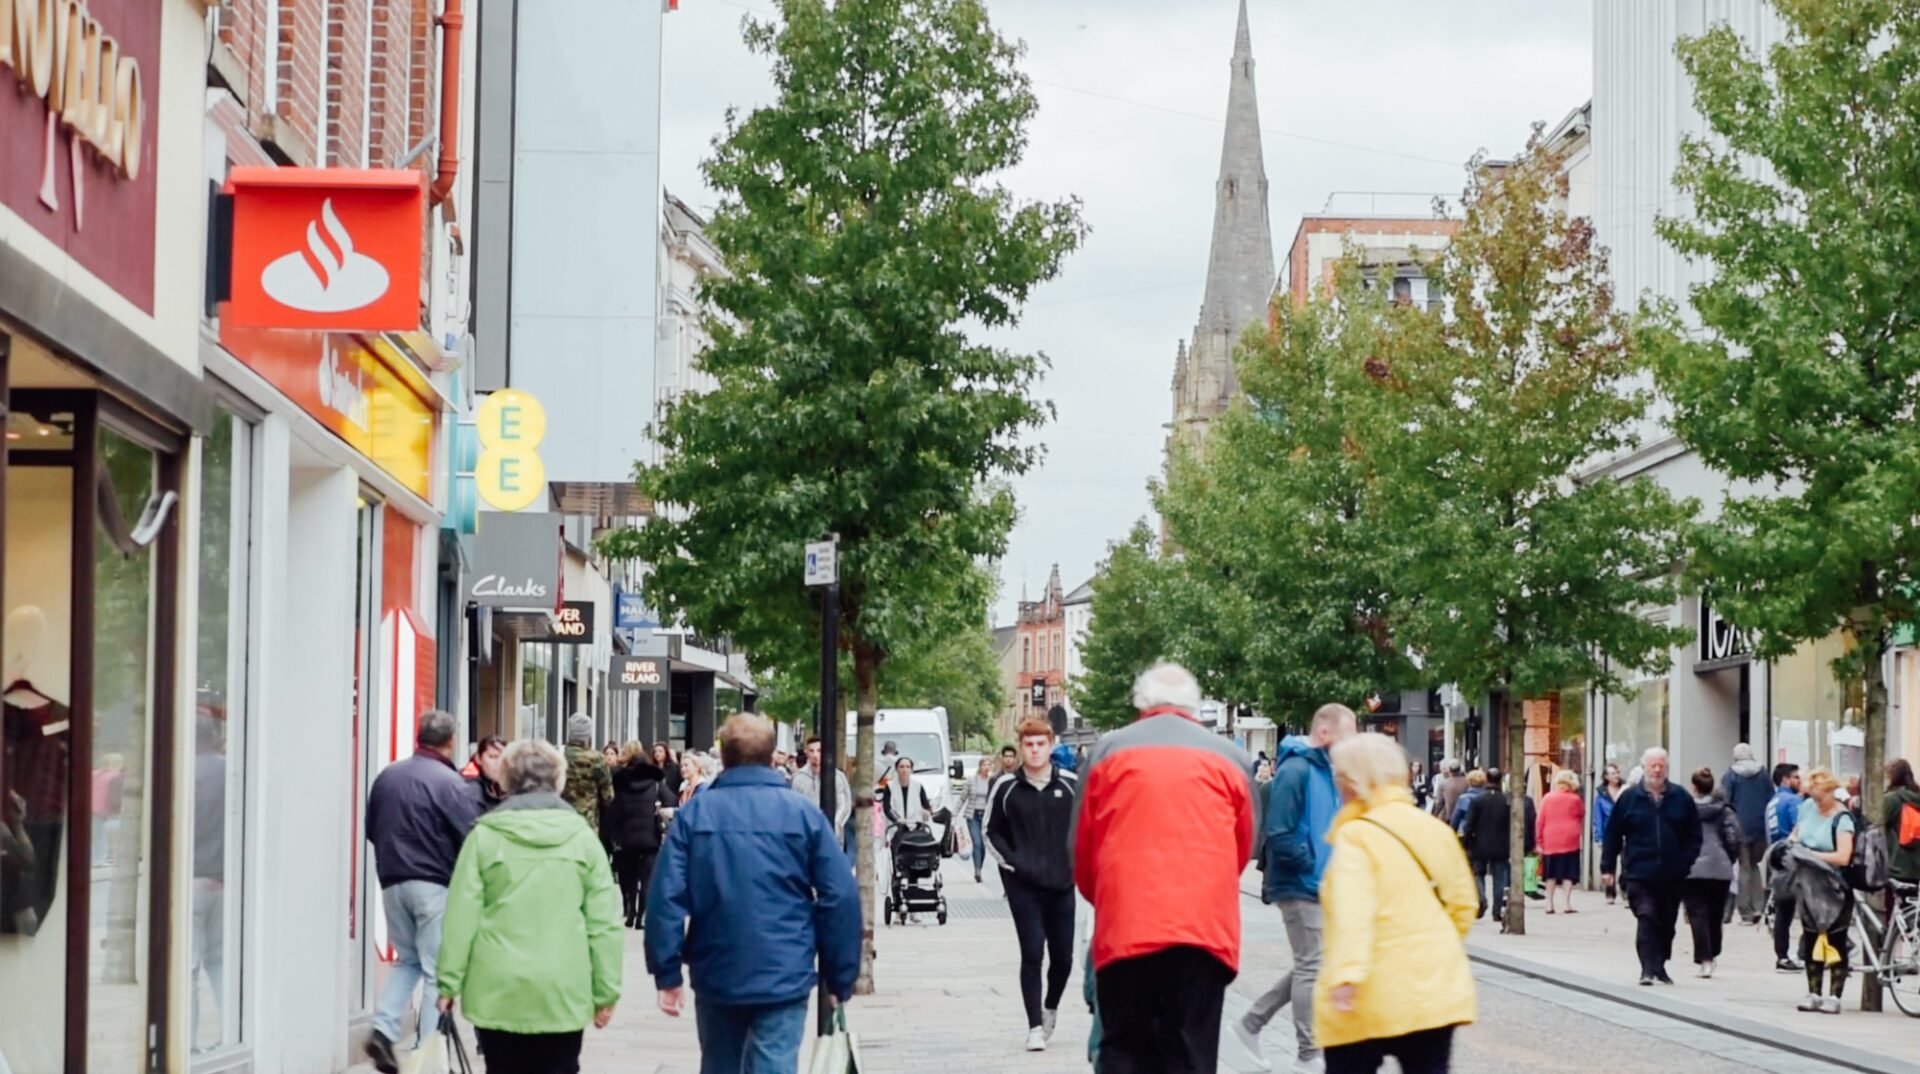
(1042, 629)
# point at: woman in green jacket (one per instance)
(532, 943)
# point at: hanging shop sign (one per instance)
(76, 141)
(516, 561)
(509, 473)
(637, 673)
(630, 612)
(325, 248)
(572, 625)
(1721, 641)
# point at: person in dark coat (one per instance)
(1747, 788)
(1488, 837)
(633, 826)
(1652, 839)
(482, 773)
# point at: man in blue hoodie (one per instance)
(1748, 790)
(1301, 802)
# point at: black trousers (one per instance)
(1840, 937)
(1425, 1052)
(1160, 1013)
(633, 868)
(1656, 905)
(1782, 925)
(1040, 918)
(530, 1053)
(1706, 902)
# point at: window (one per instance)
(219, 737)
(1026, 654)
(1636, 723)
(1816, 717)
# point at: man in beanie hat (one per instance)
(589, 786)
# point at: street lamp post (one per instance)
(823, 572)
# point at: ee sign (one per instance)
(509, 474)
(336, 249)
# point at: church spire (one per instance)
(1240, 266)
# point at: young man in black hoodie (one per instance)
(1029, 830)
(1489, 842)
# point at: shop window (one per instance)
(1816, 717)
(219, 730)
(1637, 722)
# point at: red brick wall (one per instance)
(348, 26)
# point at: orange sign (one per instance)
(326, 248)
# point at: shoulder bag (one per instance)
(1433, 885)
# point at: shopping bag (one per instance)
(457, 1061)
(429, 1058)
(838, 1052)
(1530, 875)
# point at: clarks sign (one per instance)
(76, 136)
(516, 561)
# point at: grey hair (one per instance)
(1651, 751)
(531, 766)
(1167, 685)
(435, 729)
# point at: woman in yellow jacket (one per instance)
(1397, 899)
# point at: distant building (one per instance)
(1006, 647)
(1392, 247)
(1042, 627)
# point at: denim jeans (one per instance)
(750, 1040)
(414, 912)
(1500, 872)
(979, 841)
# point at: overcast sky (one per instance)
(1386, 96)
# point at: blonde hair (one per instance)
(1820, 779)
(1476, 778)
(631, 752)
(1368, 762)
(1566, 780)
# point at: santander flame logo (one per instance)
(329, 276)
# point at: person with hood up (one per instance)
(589, 786)
(633, 823)
(1301, 802)
(1399, 902)
(1705, 892)
(1747, 790)
(532, 949)
(1652, 839)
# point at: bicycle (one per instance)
(1896, 960)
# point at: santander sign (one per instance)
(335, 249)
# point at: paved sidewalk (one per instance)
(1593, 949)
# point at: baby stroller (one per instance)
(916, 876)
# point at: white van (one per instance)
(920, 734)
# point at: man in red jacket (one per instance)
(1165, 827)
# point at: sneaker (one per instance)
(1037, 1039)
(1049, 1019)
(1830, 1005)
(1250, 1040)
(1662, 977)
(380, 1050)
(1646, 980)
(1787, 965)
(1705, 969)
(1811, 1003)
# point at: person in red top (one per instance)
(1558, 830)
(1163, 832)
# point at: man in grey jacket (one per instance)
(807, 782)
(1747, 789)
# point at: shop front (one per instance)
(100, 397)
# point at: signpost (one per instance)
(823, 572)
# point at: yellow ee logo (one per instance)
(510, 475)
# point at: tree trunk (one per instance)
(1872, 779)
(1515, 769)
(866, 668)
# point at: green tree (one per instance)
(1799, 384)
(1511, 576)
(863, 234)
(1130, 628)
(958, 670)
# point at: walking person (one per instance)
(1783, 811)
(806, 781)
(1301, 802)
(1488, 835)
(1476, 786)
(975, 812)
(483, 773)
(745, 861)
(1612, 784)
(664, 759)
(1747, 790)
(1165, 828)
(1652, 839)
(1009, 759)
(589, 787)
(1029, 827)
(533, 939)
(1453, 784)
(633, 822)
(1562, 823)
(904, 803)
(1399, 902)
(1825, 829)
(1708, 881)
(418, 812)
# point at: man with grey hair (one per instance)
(418, 811)
(1656, 830)
(745, 860)
(1166, 940)
(589, 787)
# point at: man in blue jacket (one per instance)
(743, 861)
(1748, 790)
(1782, 809)
(1652, 839)
(1301, 802)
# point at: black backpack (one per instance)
(1868, 867)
